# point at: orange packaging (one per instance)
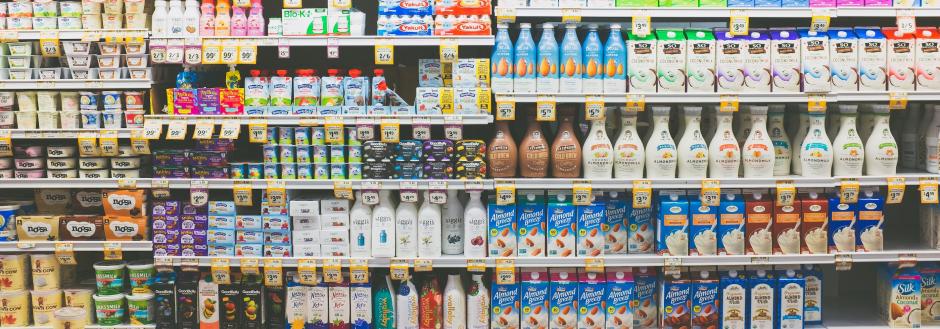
(124, 202)
(125, 228)
(786, 229)
(452, 7)
(814, 235)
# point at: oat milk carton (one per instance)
(614, 227)
(869, 235)
(591, 290)
(705, 301)
(733, 300)
(901, 59)
(531, 224)
(563, 293)
(729, 61)
(672, 224)
(731, 224)
(790, 297)
(703, 226)
(843, 59)
(505, 305)
(534, 298)
(762, 287)
(815, 50)
(841, 225)
(590, 233)
(670, 60)
(930, 293)
(641, 230)
(927, 54)
(757, 62)
(676, 301)
(872, 59)
(641, 63)
(645, 310)
(700, 60)
(815, 218)
(502, 228)
(785, 58)
(812, 309)
(619, 298)
(560, 224)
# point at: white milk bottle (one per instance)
(833, 122)
(478, 303)
(881, 151)
(866, 122)
(383, 226)
(629, 152)
(778, 135)
(797, 141)
(661, 149)
(406, 229)
(452, 227)
(847, 149)
(758, 151)
(475, 223)
(816, 149)
(598, 155)
(744, 125)
(455, 303)
(406, 305)
(926, 123)
(429, 228)
(909, 138)
(724, 158)
(693, 151)
(360, 228)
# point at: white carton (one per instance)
(301, 238)
(928, 59)
(670, 61)
(872, 59)
(306, 223)
(334, 221)
(843, 59)
(700, 61)
(785, 60)
(901, 60)
(641, 63)
(757, 62)
(729, 61)
(816, 73)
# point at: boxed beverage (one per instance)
(762, 286)
(815, 217)
(815, 50)
(930, 293)
(733, 287)
(700, 60)
(841, 225)
(640, 230)
(731, 224)
(785, 57)
(758, 230)
(705, 299)
(812, 311)
(903, 297)
(590, 233)
(901, 59)
(676, 301)
(561, 224)
(562, 289)
(619, 298)
(787, 228)
(531, 223)
(591, 309)
(872, 59)
(670, 60)
(870, 219)
(646, 309)
(187, 295)
(672, 224)
(730, 61)
(704, 219)
(614, 227)
(208, 296)
(927, 54)
(641, 62)
(502, 227)
(843, 59)
(757, 61)
(338, 307)
(304, 21)
(790, 297)
(534, 298)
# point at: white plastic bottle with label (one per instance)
(661, 149)
(455, 303)
(693, 150)
(866, 122)
(724, 158)
(406, 230)
(383, 226)
(881, 151)
(741, 133)
(757, 155)
(909, 138)
(191, 19)
(452, 227)
(429, 228)
(848, 150)
(598, 155)
(175, 23)
(159, 19)
(475, 226)
(629, 152)
(478, 303)
(781, 142)
(816, 149)
(360, 228)
(797, 141)
(833, 121)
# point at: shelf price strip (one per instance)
(505, 271)
(358, 271)
(848, 191)
(65, 253)
(332, 271)
(896, 187)
(928, 191)
(423, 265)
(786, 193)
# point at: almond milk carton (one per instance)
(733, 288)
(843, 59)
(705, 299)
(901, 59)
(812, 309)
(673, 224)
(729, 61)
(675, 301)
(619, 298)
(560, 224)
(563, 290)
(786, 228)
(930, 293)
(841, 225)
(505, 305)
(502, 229)
(869, 235)
(703, 231)
(645, 310)
(534, 298)
(903, 296)
(790, 302)
(757, 62)
(872, 59)
(590, 233)
(591, 310)
(531, 223)
(927, 54)
(785, 60)
(763, 287)
(815, 51)
(615, 223)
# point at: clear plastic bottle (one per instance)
(455, 303)
(475, 226)
(758, 151)
(383, 226)
(847, 148)
(778, 135)
(429, 228)
(158, 20)
(693, 151)
(661, 149)
(816, 149)
(546, 79)
(406, 229)
(881, 151)
(598, 152)
(478, 303)
(724, 158)
(452, 228)
(629, 152)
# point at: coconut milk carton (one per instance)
(672, 224)
(590, 233)
(591, 311)
(731, 224)
(927, 53)
(843, 59)
(841, 225)
(619, 298)
(560, 224)
(732, 288)
(700, 60)
(534, 298)
(704, 237)
(729, 61)
(757, 62)
(872, 59)
(903, 296)
(645, 309)
(502, 224)
(705, 300)
(815, 50)
(563, 290)
(930, 293)
(812, 297)
(762, 287)
(670, 60)
(640, 230)
(531, 223)
(785, 60)
(675, 301)
(901, 59)
(641, 63)
(615, 220)
(505, 305)
(869, 236)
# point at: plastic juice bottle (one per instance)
(881, 157)
(256, 20)
(593, 62)
(207, 19)
(502, 61)
(778, 134)
(615, 60)
(661, 149)
(571, 61)
(191, 19)
(546, 80)
(725, 152)
(693, 151)
(222, 19)
(848, 150)
(239, 22)
(524, 75)
(281, 88)
(816, 150)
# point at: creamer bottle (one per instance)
(454, 303)
(909, 137)
(502, 154)
(797, 141)
(547, 76)
(429, 228)
(475, 222)
(360, 228)
(175, 21)
(881, 156)
(191, 19)
(256, 20)
(207, 19)
(598, 152)
(615, 59)
(629, 152)
(778, 135)
(406, 230)
(159, 19)
(452, 228)
(744, 126)
(848, 152)
(524, 75)
(593, 67)
(383, 226)
(693, 151)
(501, 61)
(566, 151)
(661, 149)
(570, 61)
(239, 22)
(724, 158)
(478, 303)
(406, 306)
(816, 149)
(758, 151)
(222, 19)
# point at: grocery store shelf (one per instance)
(49, 246)
(63, 133)
(685, 98)
(366, 40)
(95, 326)
(319, 120)
(681, 183)
(705, 12)
(122, 84)
(384, 184)
(67, 35)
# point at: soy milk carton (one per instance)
(619, 298)
(869, 235)
(812, 297)
(787, 228)
(762, 287)
(563, 288)
(645, 310)
(841, 225)
(591, 310)
(531, 223)
(534, 298)
(590, 235)
(615, 220)
(704, 237)
(732, 288)
(672, 224)
(815, 50)
(670, 60)
(901, 59)
(675, 301)
(757, 62)
(872, 59)
(843, 59)
(759, 227)
(700, 60)
(505, 305)
(731, 224)
(502, 224)
(729, 62)
(785, 56)
(641, 62)
(790, 298)
(927, 53)
(561, 224)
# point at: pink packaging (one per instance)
(822, 3)
(231, 101)
(878, 3)
(184, 102)
(851, 3)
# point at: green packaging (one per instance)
(636, 3)
(140, 274)
(712, 3)
(678, 3)
(109, 309)
(109, 277)
(139, 309)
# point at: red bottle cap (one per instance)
(332, 72)
(378, 72)
(281, 73)
(355, 73)
(255, 73)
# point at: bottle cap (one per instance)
(255, 73)
(355, 73)
(378, 72)
(332, 72)
(281, 73)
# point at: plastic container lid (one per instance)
(108, 298)
(110, 265)
(69, 313)
(254, 73)
(139, 265)
(281, 73)
(355, 73)
(45, 292)
(378, 72)
(332, 72)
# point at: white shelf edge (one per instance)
(62, 133)
(685, 98)
(717, 12)
(74, 35)
(95, 326)
(341, 40)
(49, 246)
(97, 84)
(435, 119)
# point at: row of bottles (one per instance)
(760, 147)
(208, 19)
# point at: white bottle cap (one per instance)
(842, 34)
(870, 33)
(615, 26)
(700, 34)
(785, 34)
(848, 108)
(525, 26)
(548, 25)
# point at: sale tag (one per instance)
(241, 192)
(230, 129)
(408, 191)
(642, 193)
(221, 271)
(229, 52)
(384, 53)
(153, 129)
(505, 107)
(595, 265)
(65, 253)
(391, 131)
(247, 53)
(641, 24)
(896, 187)
(176, 130)
(49, 44)
(421, 128)
(370, 192)
(283, 49)
(332, 270)
(398, 269)
(113, 251)
(334, 131)
(211, 51)
(307, 272)
(437, 192)
(25, 245)
(293, 3)
(423, 265)
(505, 14)
(728, 103)
(139, 143)
(276, 193)
(505, 271)
(820, 19)
(476, 265)
(160, 188)
(273, 272)
(897, 101)
(928, 191)
(199, 192)
(545, 108)
(203, 129)
(192, 54)
(594, 107)
(907, 23)
(6, 143)
(505, 192)
(249, 266)
(358, 271)
(635, 103)
(127, 183)
(258, 131)
(88, 144)
(342, 189)
(816, 102)
(108, 142)
(711, 192)
(448, 51)
(581, 193)
(786, 193)
(571, 15)
(848, 191)
(739, 22)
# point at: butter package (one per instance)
(700, 60)
(815, 50)
(641, 62)
(126, 228)
(901, 59)
(872, 59)
(785, 60)
(37, 228)
(81, 228)
(843, 59)
(729, 63)
(471, 73)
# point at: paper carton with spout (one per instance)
(901, 59)
(731, 224)
(843, 59)
(562, 292)
(762, 286)
(841, 226)
(676, 301)
(869, 236)
(733, 288)
(729, 61)
(672, 224)
(872, 59)
(786, 228)
(705, 301)
(815, 215)
(591, 291)
(759, 227)
(815, 51)
(703, 231)
(619, 298)
(534, 298)
(757, 74)
(785, 60)
(645, 311)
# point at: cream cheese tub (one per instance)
(14, 308)
(44, 303)
(109, 309)
(80, 298)
(70, 318)
(12, 272)
(45, 269)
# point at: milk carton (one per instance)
(733, 287)
(843, 59)
(901, 59)
(670, 60)
(705, 307)
(790, 302)
(560, 224)
(505, 305)
(534, 298)
(903, 296)
(785, 60)
(872, 59)
(757, 62)
(531, 224)
(930, 293)
(704, 237)
(815, 50)
(869, 236)
(812, 297)
(641, 63)
(645, 311)
(729, 61)
(758, 230)
(927, 54)
(731, 224)
(502, 225)
(841, 225)
(640, 230)
(591, 308)
(619, 297)
(787, 228)
(360, 303)
(700, 60)
(762, 287)
(672, 230)
(590, 234)
(563, 290)
(675, 301)
(815, 218)
(615, 223)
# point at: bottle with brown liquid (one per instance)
(534, 151)
(566, 150)
(502, 152)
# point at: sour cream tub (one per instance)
(44, 303)
(6, 163)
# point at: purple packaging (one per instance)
(209, 172)
(162, 222)
(173, 250)
(164, 207)
(850, 3)
(207, 99)
(184, 102)
(170, 236)
(729, 63)
(194, 222)
(878, 3)
(757, 60)
(191, 250)
(645, 307)
(785, 59)
(159, 250)
(438, 170)
(215, 144)
(208, 158)
(438, 150)
(170, 158)
(190, 209)
(193, 237)
(170, 172)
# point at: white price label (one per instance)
(641, 25)
(448, 51)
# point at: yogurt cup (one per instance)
(139, 308)
(125, 173)
(45, 270)
(69, 100)
(70, 119)
(80, 298)
(26, 120)
(62, 173)
(60, 151)
(140, 274)
(109, 309)
(94, 173)
(47, 101)
(14, 308)
(112, 119)
(44, 303)
(70, 318)
(60, 163)
(91, 119)
(125, 163)
(109, 277)
(13, 270)
(134, 118)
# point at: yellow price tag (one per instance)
(897, 101)
(896, 187)
(241, 192)
(65, 253)
(594, 108)
(307, 271)
(203, 129)
(221, 272)
(545, 108)
(739, 23)
(332, 271)
(334, 132)
(258, 131)
(819, 22)
(642, 194)
(581, 194)
(6, 143)
(505, 271)
(108, 143)
(49, 45)
(505, 14)
(641, 25)
(505, 108)
(571, 15)
(635, 103)
(127, 183)
(390, 130)
(230, 129)
(928, 191)
(276, 193)
(816, 102)
(476, 265)
(384, 54)
(247, 53)
(786, 193)
(423, 265)
(595, 265)
(848, 191)
(113, 251)
(343, 190)
(139, 144)
(399, 269)
(273, 273)
(176, 130)
(907, 23)
(88, 144)
(152, 129)
(728, 103)
(505, 192)
(449, 52)
(711, 192)
(358, 271)
(211, 51)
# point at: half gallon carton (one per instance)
(757, 62)
(615, 223)
(903, 296)
(619, 298)
(676, 301)
(502, 224)
(560, 224)
(705, 300)
(930, 293)
(872, 59)
(641, 63)
(869, 235)
(843, 59)
(815, 217)
(812, 297)
(758, 230)
(534, 298)
(672, 224)
(762, 287)
(700, 60)
(590, 233)
(791, 287)
(815, 50)
(731, 224)
(733, 287)
(901, 59)
(563, 293)
(592, 287)
(531, 224)
(670, 60)
(927, 53)
(787, 228)
(841, 225)
(729, 62)
(785, 59)
(641, 228)
(645, 310)
(505, 305)
(704, 236)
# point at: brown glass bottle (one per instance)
(503, 155)
(533, 151)
(566, 150)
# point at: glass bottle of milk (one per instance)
(661, 149)
(724, 158)
(758, 151)
(778, 135)
(597, 151)
(693, 151)
(816, 149)
(797, 141)
(629, 152)
(848, 150)
(881, 155)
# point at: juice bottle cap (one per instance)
(615, 26)
(378, 72)
(355, 73)
(548, 25)
(525, 26)
(281, 73)
(254, 73)
(332, 72)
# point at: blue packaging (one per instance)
(790, 298)
(672, 230)
(222, 222)
(302, 136)
(285, 135)
(250, 223)
(646, 311)
(286, 154)
(304, 171)
(767, 3)
(269, 153)
(222, 208)
(531, 223)
(732, 288)
(762, 288)
(704, 239)
(560, 223)
(812, 312)
(869, 236)
(704, 299)
(502, 226)
(619, 297)
(794, 3)
(841, 225)
(302, 154)
(590, 233)
(504, 300)
(237, 170)
(337, 171)
(675, 300)
(615, 223)
(731, 224)
(741, 3)
(221, 237)
(534, 298)
(641, 230)
(288, 171)
(405, 7)
(7, 228)
(275, 223)
(255, 170)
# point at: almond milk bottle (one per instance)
(758, 151)
(615, 60)
(475, 223)
(725, 153)
(571, 64)
(383, 226)
(661, 157)
(816, 149)
(881, 156)
(592, 62)
(546, 80)
(848, 151)
(598, 152)
(502, 61)
(629, 152)
(429, 228)
(693, 151)
(524, 74)
(797, 141)
(909, 138)
(778, 135)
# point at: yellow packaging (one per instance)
(13, 273)
(45, 269)
(70, 318)
(37, 228)
(44, 303)
(80, 298)
(14, 308)
(471, 72)
(471, 101)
